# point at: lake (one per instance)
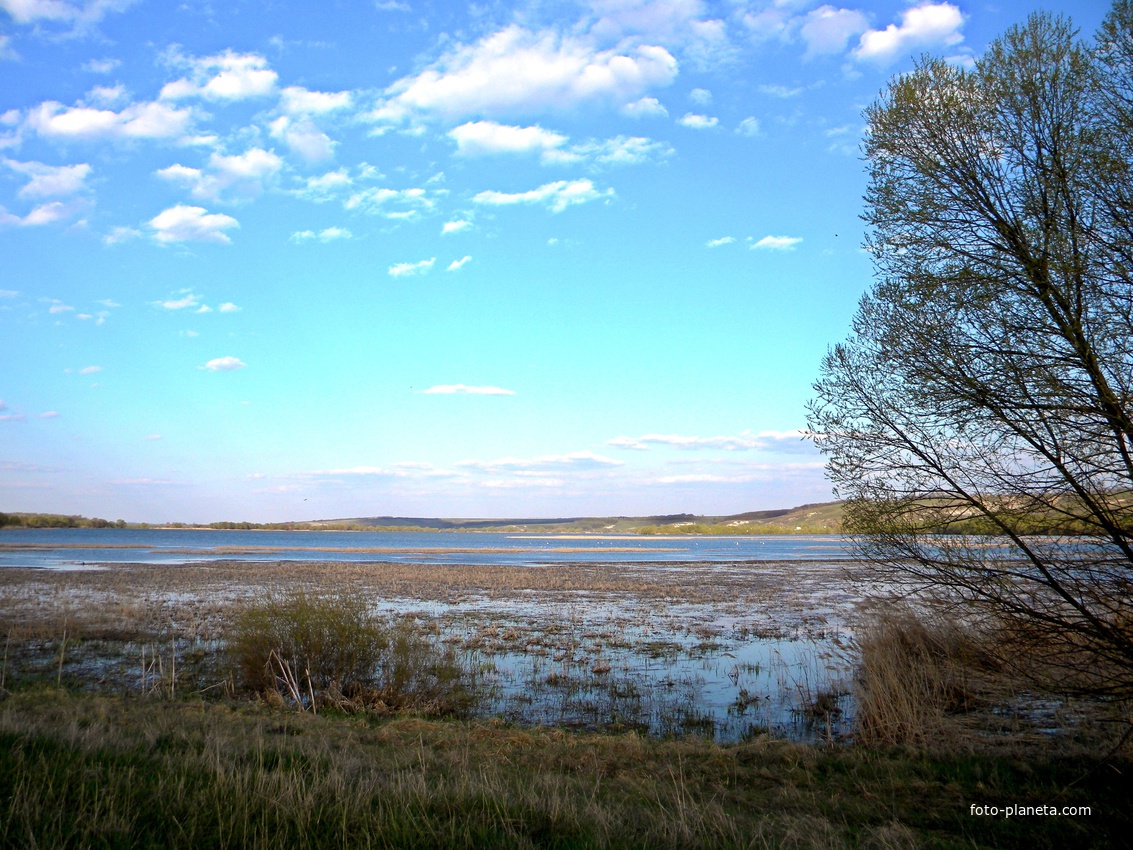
(79, 547)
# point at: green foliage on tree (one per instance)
(987, 383)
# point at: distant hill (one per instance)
(820, 518)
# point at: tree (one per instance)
(987, 383)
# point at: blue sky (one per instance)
(272, 261)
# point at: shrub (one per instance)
(316, 651)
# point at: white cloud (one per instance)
(455, 265)
(303, 137)
(229, 307)
(101, 66)
(83, 13)
(185, 299)
(409, 269)
(153, 436)
(828, 29)
(107, 96)
(701, 97)
(935, 23)
(325, 187)
(90, 370)
(242, 175)
(698, 122)
(49, 414)
(773, 441)
(148, 120)
(48, 213)
(516, 71)
(557, 196)
(620, 150)
(191, 224)
(120, 234)
(391, 203)
(48, 181)
(224, 364)
(646, 107)
(456, 226)
(583, 460)
(749, 127)
(9, 293)
(487, 137)
(723, 240)
(58, 308)
(465, 389)
(777, 243)
(227, 76)
(296, 100)
(679, 24)
(782, 92)
(329, 234)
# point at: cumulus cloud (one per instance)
(147, 120)
(47, 181)
(777, 243)
(455, 226)
(329, 234)
(701, 97)
(410, 269)
(456, 265)
(229, 307)
(556, 196)
(241, 175)
(827, 29)
(698, 122)
(226, 76)
(191, 224)
(465, 389)
(303, 137)
(517, 71)
(646, 107)
(928, 23)
(723, 240)
(224, 364)
(477, 138)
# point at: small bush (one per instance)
(317, 651)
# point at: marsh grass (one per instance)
(334, 651)
(91, 770)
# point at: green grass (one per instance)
(88, 770)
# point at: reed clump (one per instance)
(318, 651)
(915, 672)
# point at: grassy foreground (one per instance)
(86, 770)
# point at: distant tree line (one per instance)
(22, 520)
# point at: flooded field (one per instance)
(716, 648)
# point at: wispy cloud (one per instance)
(776, 441)
(466, 389)
(456, 265)
(329, 234)
(556, 196)
(723, 240)
(576, 461)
